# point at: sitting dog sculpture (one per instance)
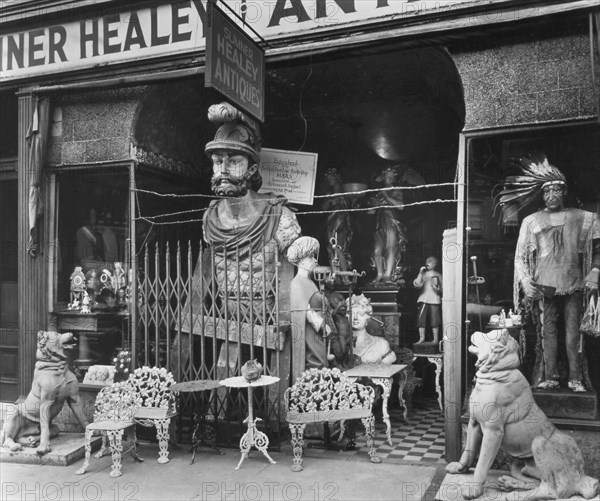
(504, 414)
(53, 385)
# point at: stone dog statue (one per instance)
(53, 385)
(504, 414)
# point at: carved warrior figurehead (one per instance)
(237, 135)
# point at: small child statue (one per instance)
(429, 302)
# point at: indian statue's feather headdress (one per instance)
(520, 191)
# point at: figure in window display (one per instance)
(390, 233)
(92, 286)
(310, 325)
(558, 251)
(122, 297)
(90, 245)
(339, 227)
(429, 280)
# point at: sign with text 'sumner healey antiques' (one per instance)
(289, 173)
(235, 64)
(120, 33)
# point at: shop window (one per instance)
(92, 224)
(91, 276)
(574, 150)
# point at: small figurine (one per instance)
(430, 302)
(85, 303)
(502, 321)
(122, 297)
(77, 280)
(118, 280)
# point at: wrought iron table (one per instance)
(252, 437)
(201, 435)
(382, 375)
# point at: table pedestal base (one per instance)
(254, 438)
(204, 434)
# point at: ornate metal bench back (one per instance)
(116, 402)
(327, 390)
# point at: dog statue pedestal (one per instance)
(67, 448)
(566, 404)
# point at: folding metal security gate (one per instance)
(202, 313)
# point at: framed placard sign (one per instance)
(289, 173)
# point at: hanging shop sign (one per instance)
(235, 64)
(289, 173)
(177, 28)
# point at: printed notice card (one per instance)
(289, 173)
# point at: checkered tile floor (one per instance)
(422, 440)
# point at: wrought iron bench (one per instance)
(326, 395)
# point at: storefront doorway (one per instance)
(361, 112)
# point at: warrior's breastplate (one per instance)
(251, 275)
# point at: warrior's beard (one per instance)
(225, 185)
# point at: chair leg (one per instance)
(100, 453)
(115, 438)
(88, 451)
(297, 431)
(162, 433)
(342, 430)
(369, 423)
(134, 453)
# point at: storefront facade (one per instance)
(362, 84)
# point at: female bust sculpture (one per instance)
(370, 349)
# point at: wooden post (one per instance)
(32, 270)
(453, 271)
(131, 256)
